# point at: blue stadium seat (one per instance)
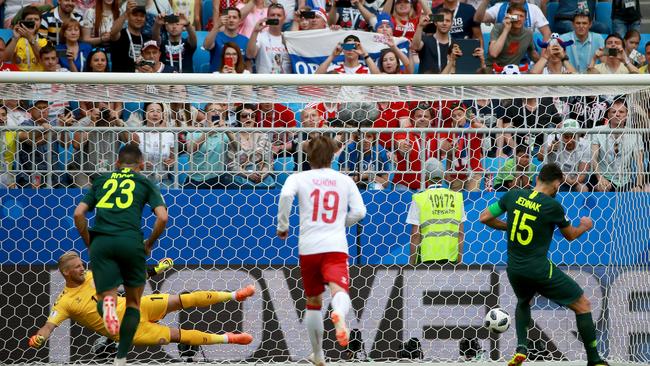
(6, 34)
(285, 166)
(200, 56)
(551, 9)
(645, 38)
(206, 12)
(604, 14)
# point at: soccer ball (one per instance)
(511, 70)
(497, 320)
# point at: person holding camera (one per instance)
(210, 151)
(127, 43)
(267, 47)
(352, 50)
(511, 41)
(215, 40)
(25, 44)
(433, 48)
(150, 60)
(73, 54)
(177, 51)
(533, 19)
(613, 58)
(554, 60)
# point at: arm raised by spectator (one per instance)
(252, 48)
(496, 46)
(118, 23)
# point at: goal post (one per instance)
(222, 200)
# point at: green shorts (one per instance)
(557, 286)
(117, 260)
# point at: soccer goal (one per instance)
(221, 147)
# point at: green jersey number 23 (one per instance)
(125, 197)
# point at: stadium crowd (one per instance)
(164, 36)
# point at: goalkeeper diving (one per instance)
(78, 301)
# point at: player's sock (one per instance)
(243, 293)
(204, 298)
(341, 303)
(127, 330)
(100, 307)
(315, 329)
(197, 338)
(587, 332)
(522, 322)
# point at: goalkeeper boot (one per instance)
(316, 361)
(517, 360)
(598, 363)
(244, 293)
(239, 338)
(111, 321)
(342, 332)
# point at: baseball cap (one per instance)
(434, 169)
(151, 43)
(570, 124)
(384, 18)
(139, 9)
(351, 37)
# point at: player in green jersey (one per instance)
(116, 245)
(532, 218)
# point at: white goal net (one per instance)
(220, 149)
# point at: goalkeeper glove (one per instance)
(162, 266)
(36, 341)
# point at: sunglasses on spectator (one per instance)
(276, 5)
(98, 49)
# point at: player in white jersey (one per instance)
(324, 196)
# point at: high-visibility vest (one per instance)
(441, 213)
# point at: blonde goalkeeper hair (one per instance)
(64, 259)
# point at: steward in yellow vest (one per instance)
(436, 215)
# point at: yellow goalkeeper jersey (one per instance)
(80, 304)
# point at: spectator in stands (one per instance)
(644, 69)
(275, 115)
(25, 45)
(553, 60)
(626, 15)
(405, 15)
(349, 17)
(533, 18)
(463, 25)
(96, 151)
(5, 66)
(614, 151)
(391, 115)
(158, 148)
(34, 146)
(215, 40)
(531, 113)
(150, 60)
(510, 41)
(53, 20)
(127, 43)
(76, 53)
(615, 62)
(50, 61)
(433, 48)
(632, 40)
(177, 52)
(320, 20)
(351, 63)
(455, 52)
(463, 152)
(585, 42)
(97, 61)
(7, 151)
(267, 48)
(153, 8)
(572, 153)
(16, 112)
(309, 118)
(211, 151)
(252, 160)
(99, 32)
(567, 11)
(252, 11)
(366, 162)
(232, 60)
(489, 113)
(412, 149)
(302, 19)
(392, 59)
(516, 172)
